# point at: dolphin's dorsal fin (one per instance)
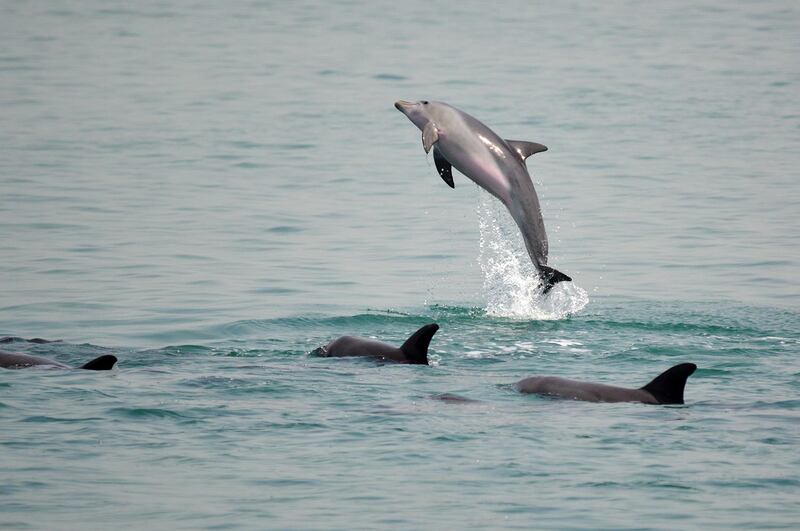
(444, 168)
(429, 136)
(668, 386)
(525, 149)
(416, 347)
(103, 363)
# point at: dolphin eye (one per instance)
(424, 102)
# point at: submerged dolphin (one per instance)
(414, 350)
(494, 164)
(16, 360)
(666, 388)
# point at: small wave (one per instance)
(390, 77)
(511, 284)
(141, 412)
(563, 342)
(45, 418)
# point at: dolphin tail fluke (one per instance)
(103, 363)
(551, 277)
(668, 386)
(416, 346)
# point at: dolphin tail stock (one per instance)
(550, 277)
(416, 346)
(103, 363)
(668, 386)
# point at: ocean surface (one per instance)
(210, 191)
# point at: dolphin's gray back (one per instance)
(346, 346)
(588, 391)
(14, 360)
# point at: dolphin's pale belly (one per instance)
(485, 173)
(494, 168)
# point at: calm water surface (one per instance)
(211, 191)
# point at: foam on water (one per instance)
(511, 285)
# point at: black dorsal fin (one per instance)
(668, 386)
(103, 363)
(416, 347)
(444, 168)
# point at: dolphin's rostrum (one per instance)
(496, 165)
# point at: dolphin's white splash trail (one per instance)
(511, 285)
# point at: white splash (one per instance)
(510, 282)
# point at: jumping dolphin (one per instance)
(666, 388)
(494, 164)
(16, 360)
(414, 350)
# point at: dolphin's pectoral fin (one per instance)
(429, 136)
(416, 347)
(444, 168)
(103, 363)
(551, 277)
(525, 149)
(668, 386)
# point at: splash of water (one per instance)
(510, 283)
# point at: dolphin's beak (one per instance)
(402, 105)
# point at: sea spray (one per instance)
(511, 284)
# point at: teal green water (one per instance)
(212, 191)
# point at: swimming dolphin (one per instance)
(414, 350)
(496, 165)
(16, 360)
(666, 388)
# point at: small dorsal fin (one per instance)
(444, 168)
(103, 363)
(429, 136)
(668, 386)
(416, 346)
(525, 149)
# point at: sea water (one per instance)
(210, 191)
